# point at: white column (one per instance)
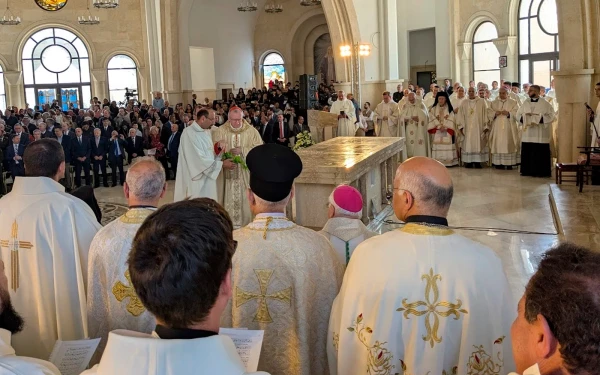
(154, 30)
(15, 94)
(99, 85)
(388, 23)
(443, 57)
(465, 52)
(507, 46)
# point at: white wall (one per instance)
(368, 21)
(422, 47)
(218, 25)
(203, 78)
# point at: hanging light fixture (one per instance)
(106, 4)
(89, 19)
(247, 6)
(9, 19)
(310, 3)
(271, 7)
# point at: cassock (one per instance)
(45, 235)
(232, 185)
(10, 364)
(112, 302)
(535, 138)
(443, 128)
(346, 126)
(284, 279)
(198, 167)
(134, 353)
(417, 139)
(472, 120)
(407, 306)
(504, 136)
(345, 234)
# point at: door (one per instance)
(424, 80)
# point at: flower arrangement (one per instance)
(303, 140)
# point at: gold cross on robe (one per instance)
(13, 244)
(122, 291)
(262, 312)
(432, 308)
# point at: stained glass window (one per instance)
(122, 75)
(486, 58)
(273, 68)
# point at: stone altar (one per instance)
(323, 125)
(366, 163)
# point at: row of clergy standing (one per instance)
(467, 126)
(160, 282)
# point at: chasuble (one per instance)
(284, 279)
(45, 236)
(417, 138)
(422, 300)
(345, 234)
(505, 141)
(473, 122)
(112, 302)
(232, 185)
(346, 126)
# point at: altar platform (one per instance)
(577, 215)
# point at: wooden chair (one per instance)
(589, 158)
(567, 168)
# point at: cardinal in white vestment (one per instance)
(111, 302)
(285, 277)
(408, 305)
(45, 236)
(535, 116)
(345, 229)
(346, 116)
(443, 128)
(414, 116)
(199, 162)
(237, 137)
(504, 136)
(473, 124)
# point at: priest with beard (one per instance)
(414, 117)
(536, 116)
(473, 124)
(422, 299)
(11, 323)
(238, 137)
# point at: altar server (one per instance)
(414, 117)
(285, 277)
(408, 305)
(45, 237)
(504, 136)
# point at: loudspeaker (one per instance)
(308, 91)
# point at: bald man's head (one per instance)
(145, 182)
(422, 186)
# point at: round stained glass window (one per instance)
(51, 5)
(56, 59)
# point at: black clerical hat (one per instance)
(516, 84)
(273, 169)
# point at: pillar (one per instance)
(465, 52)
(99, 84)
(14, 89)
(507, 46)
(154, 31)
(170, 53)
(388, 38)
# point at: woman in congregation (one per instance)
(155, 144)
(240, 97)
(442, 127)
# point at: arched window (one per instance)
(486, 58)
(538, 41)
(122, 74)
(2, 90)
(56, 67)
(273, 68)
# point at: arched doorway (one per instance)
(56, 67)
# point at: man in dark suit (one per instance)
(23, 136)
(173, 148)
(106, 128)
(165, 133)
(281, 132)
(14, 156)
(116, 155)
(81, 151)
(135, 145)
(265, 129)
(99, 153)
(65, 142)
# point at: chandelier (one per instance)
(106, 4)
(247, 6)
(310, 3)
(88, 20)
(273, 8)
(9, 19)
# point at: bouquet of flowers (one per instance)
(303, 140)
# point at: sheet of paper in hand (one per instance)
(248, 344)
(73, 357)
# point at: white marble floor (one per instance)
(485, 198)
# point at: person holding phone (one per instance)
(346, 116)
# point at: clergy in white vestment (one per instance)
(237, 137)
(407, 304)
(199, 161)
(594, 118)
(494, 91)
(111, 304)
(430, 99)
(535, 116)
(473, 124)
(11, 323)
(345, 229)
(346, 115)
(180, 270)
(458, 99)
(515, 92)
(504, 136)
(443, 128)
(432, 93)
(386, 117)
(45, 236)
(284, 276)
(554, 127)
(414, 118)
